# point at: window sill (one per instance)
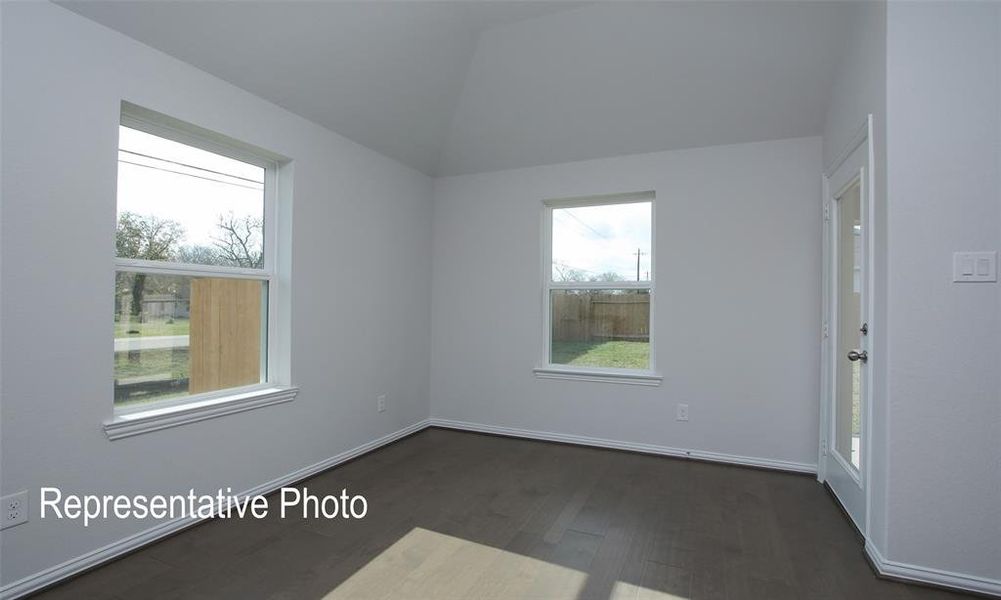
(155, 419)
(648, 378)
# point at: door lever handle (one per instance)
(854, 355)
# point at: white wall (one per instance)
(930, 73)
(360, 292)
(736, 314)
(859, 89)
(737, 318)
(944, 191)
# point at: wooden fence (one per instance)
(598, 316)
(225, 334)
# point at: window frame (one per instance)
(549, 370)
(135, 117)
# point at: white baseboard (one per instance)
(934, 577)
(884, 567)
(96, 557)
(750, 461)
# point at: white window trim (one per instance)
(549, 370)
(156, 415)
(628, 376)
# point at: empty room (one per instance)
(425, 299)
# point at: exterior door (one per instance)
(845, 403)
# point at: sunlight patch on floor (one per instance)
(629, 591)
(427, 564)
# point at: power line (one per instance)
(579, 220)
(249, 187)
(132, 152)
(576, 226)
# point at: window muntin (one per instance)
(193, 266)
(599, 284)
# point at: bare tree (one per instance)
(567, 274)
(564, 273)
(607, 276)
(198, 255)
(240, 241)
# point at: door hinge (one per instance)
(823, 447)
(826, 329)
(827, 212)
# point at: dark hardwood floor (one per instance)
(462, 515)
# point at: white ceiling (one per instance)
(463, 87)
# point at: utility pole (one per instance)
(638, 253)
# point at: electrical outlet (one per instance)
(15, 509)
(682, 412)
(380, 403)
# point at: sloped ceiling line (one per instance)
(463, 87)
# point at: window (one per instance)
(195, 265)
(599, 285)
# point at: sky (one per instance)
(194, 187)
(601, 239)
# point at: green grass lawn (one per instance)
(153, 362)
(157, 375)
(150, 328)
(614, 354)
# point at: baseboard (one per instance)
(92, 559)
(734, 459)
(884, 568)
(927, 576)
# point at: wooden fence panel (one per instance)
(600, 316)
(225, 336)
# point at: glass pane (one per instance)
(600, 328)
(602, 243)
(848, 405)
(179, 203)
(178, 335)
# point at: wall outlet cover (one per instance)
(15, 509)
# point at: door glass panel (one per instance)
(848, 388)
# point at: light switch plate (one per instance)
(974, 266)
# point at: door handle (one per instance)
(854, 355)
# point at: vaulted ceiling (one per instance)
(464, 87)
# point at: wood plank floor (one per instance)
(462, 515)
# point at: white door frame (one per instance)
(829, 357)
